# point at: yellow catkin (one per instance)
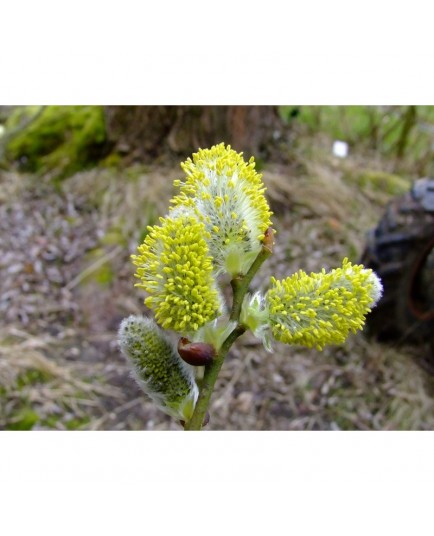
(227, 194)
(175, 269)
(321, 308)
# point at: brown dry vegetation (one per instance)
(66, 283)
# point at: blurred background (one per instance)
(80, 184)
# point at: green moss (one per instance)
(77, 423)
(63, 139)
(134, 172)
(8, 340)
(24, 419)
(349, 123)
(20, 115)
(114, 237)
(113, 160)
(32, 377)
(51, 421)
(380, 181)
(102, 275)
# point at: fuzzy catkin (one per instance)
(157, 366)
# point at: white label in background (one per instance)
(340, 149)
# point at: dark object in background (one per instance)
(401, 251)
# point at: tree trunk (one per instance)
(148, 132)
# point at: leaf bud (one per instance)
(197, 354)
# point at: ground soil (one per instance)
(67, 281)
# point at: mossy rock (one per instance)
(64, 139)
(380, 181)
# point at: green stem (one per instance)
(208, 381)
(240, 286)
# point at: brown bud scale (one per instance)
(268, 241)
(197, 354)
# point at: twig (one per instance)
(239, 286)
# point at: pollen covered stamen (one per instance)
(227, 194)
(175, 268)
(322, 308)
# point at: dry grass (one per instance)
(39, 384)
(126, 200)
